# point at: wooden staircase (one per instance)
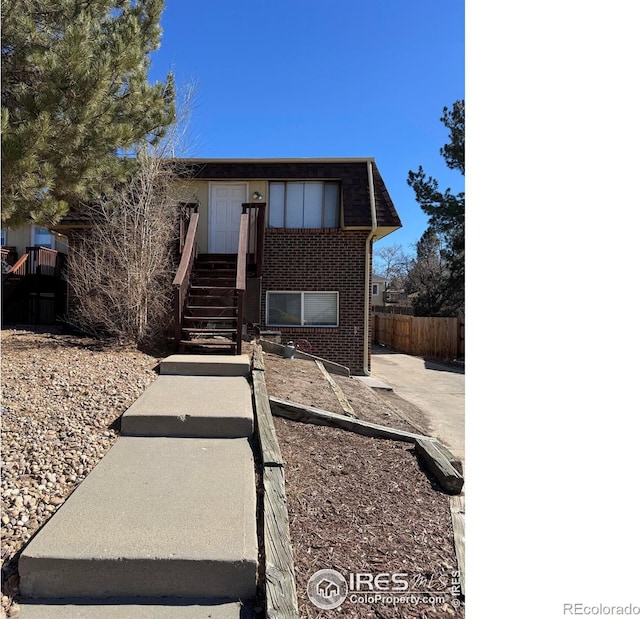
(212, 311)
(209, 288)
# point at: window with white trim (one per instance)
(304, 204)
(298, 309)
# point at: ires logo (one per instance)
(384, 581)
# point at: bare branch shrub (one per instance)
(120, 269)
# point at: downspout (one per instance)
(367, 269)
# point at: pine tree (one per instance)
(446, 222)
(75, 99)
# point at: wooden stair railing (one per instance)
(241, 276)
(255, 242)
(183, 274)
(20, 268)
(209, 294)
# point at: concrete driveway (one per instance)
(437, 390)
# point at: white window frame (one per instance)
(303, 182)
(303, 323)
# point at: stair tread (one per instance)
(212, 307)
(212, 318)
(213, 332)
(209, 343)
(205, 287)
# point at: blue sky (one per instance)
(322, 79)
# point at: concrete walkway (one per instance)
(437, 390)
(165, 524)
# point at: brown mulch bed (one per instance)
(361, 505)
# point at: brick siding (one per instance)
(321, 260)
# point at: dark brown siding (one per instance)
(353, 177)
(322, 260)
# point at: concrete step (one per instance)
(128, 609)
(157, 517)
(208, 347)
(192, 406)
(204, 365)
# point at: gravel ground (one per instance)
(60, 395)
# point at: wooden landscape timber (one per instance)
(439, 465)
(269, 447)
(344, 403)
(456, 505)
(280, 584)
(319, 417)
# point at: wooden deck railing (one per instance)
(183, 274)
(45, 261)
(38, 261)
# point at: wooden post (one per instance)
(240, 294)
(260, 237)
(438, 463)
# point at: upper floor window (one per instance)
(3, 237)
(41, 237)
(304, 204)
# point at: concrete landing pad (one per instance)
(374, 383)
(157, 517)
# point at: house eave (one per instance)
(277, 160)
(381, 231)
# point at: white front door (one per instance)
(225, 208)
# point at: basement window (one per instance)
(302, 309)
(304, 204)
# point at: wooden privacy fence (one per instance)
(421, 336)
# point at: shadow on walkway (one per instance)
(438, 365)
